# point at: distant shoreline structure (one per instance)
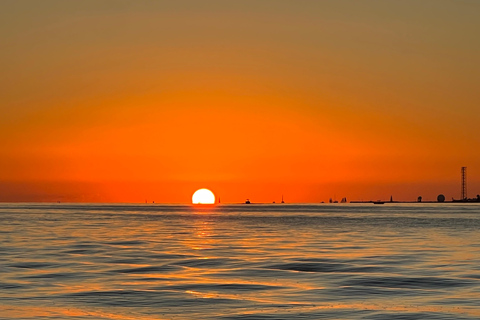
(440, 197)
(474, 200)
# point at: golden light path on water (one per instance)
(239, 262)
(15, 312)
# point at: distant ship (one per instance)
(247, 201)
(282, 199)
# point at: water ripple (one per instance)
(151, 262)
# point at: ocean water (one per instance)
(343, 261)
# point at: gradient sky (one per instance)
(128, 101)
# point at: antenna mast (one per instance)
(464, 183)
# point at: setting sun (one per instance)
(203, 196)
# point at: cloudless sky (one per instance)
(129, 101)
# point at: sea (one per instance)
(318, 261)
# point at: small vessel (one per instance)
(378, 202)
(247, 201)
(282, 199)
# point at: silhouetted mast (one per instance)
(464, 183)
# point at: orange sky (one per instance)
(129, 101)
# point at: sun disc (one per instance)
(203, 196)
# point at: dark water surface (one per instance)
(240, 262)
